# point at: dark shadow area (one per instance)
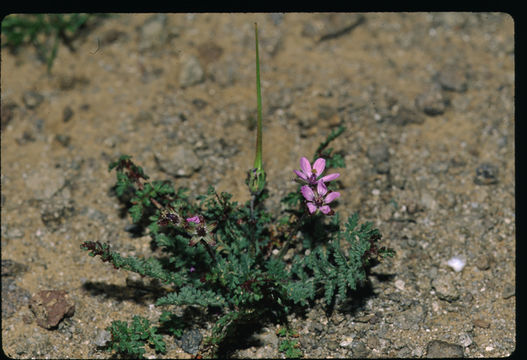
(142, 296)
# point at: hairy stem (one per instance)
(290, 236)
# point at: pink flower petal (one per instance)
(321, 188)
(305, 166)
(330, 177)
(309, 195)
(300, 174)
(194, 219)
(325, 209)
(319, 166)
(331, 196)
(311, 207)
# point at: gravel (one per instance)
(428, 103)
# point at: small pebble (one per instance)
(457, 263)
(486, 174)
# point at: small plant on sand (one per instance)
(44, 31)
(230, 258)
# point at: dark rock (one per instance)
(209, 52)
(67, 114)
(56, 211)
(51, 306)
(482, 323)
(199, 103)
(452, 78)
(405, 116)
(111, 36)
(431, 102)
(32, 99)
(12, 268)
(8, 112)
(190, 341)
(329, 26)
(63, 140)
(68, 82)
(486, 174)
(442, 349)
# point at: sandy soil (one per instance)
(428, 103)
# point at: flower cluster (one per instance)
(195, 226)
(316, 192)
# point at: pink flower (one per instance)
(199, 230)
(310, 175)
(318, 200)
(194, 219)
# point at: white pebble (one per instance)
(399, 284)
(457, 263)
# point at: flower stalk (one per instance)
(256, 176)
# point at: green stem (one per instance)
(291, 234)
(258, 158)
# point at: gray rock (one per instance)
(32, 99)
(465, 340)
(404, 352)
(267, 337)
(445, 287)
(442, 349)
(431, 102)
(332, 345)
(102, 337)
(379, 156)
(224, 71)
(44, 181)
(486, 174)
(452, 78)
(11, 232)
(190, 341)
(153, 33)
(359, 349)
(508, 291)
(179, 161)
(191, 72)
(483, 262)
(439, 167)
(13, 296)
(405, 116)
